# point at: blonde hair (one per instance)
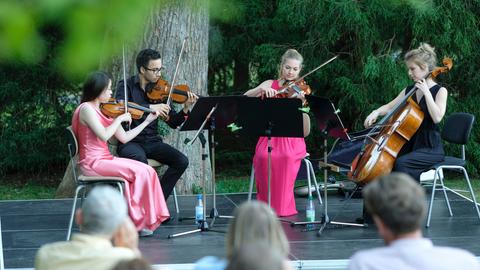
(289, 54)
(424, 56)
(255, 222)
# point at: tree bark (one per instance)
(165, 31)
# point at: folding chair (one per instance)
(82, 181)
(456, 131)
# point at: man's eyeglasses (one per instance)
(155, 70)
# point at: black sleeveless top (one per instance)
(428, 134)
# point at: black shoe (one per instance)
(360, 220)
(166, 221)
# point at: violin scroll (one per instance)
(160, 91)
(447, 66)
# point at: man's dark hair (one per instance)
(144, 56)
(398, 200)
(94, 85)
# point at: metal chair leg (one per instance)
(431, 199)
(447, 201)
(471, 191)
(72, 213)
(311, 172)
(176, 201)
(252, 178)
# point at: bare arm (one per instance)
(383, 110)
(126, 136)
(88, 116)
(264, 88)
(436, 107)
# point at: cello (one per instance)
(394, 130)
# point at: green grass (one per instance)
(460, 185)
(27, 191)
(39, 188)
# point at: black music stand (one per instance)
(209, 113)
(271, 117)
(330, 125)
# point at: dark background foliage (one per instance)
(370, 37)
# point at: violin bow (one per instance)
(169, 100)
(125, 102)
(315, 69)
(310, 72)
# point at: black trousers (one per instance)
(164, 153)
(416, 162)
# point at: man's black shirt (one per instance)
(137, 94)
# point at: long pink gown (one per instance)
(286, 155)
(146, 204)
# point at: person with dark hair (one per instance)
(398, 206)
(148, 144)
(147, 207)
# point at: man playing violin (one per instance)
(148, 144)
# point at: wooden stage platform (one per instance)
(26, 225)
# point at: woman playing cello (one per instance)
(425, 147)
(287, 153)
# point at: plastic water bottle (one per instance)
(199, 209)
(310, 212)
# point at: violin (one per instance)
(299, 85)
(160, 91)
(294, 88)
(113, 108)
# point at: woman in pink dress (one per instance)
(287, 153)
(146, 204)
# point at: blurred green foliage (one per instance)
(371, 38)
(46, 48)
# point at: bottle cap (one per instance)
(310, 197)
(199, 196)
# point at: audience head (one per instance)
(134, 264)
(398, 201)
(255, 222)
(257, 256)
(102, 212)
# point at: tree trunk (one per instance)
(240, 76)
(165, 31)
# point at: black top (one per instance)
(138, 95)
(428, 134)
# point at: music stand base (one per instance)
(337, 224)
(202, 227)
